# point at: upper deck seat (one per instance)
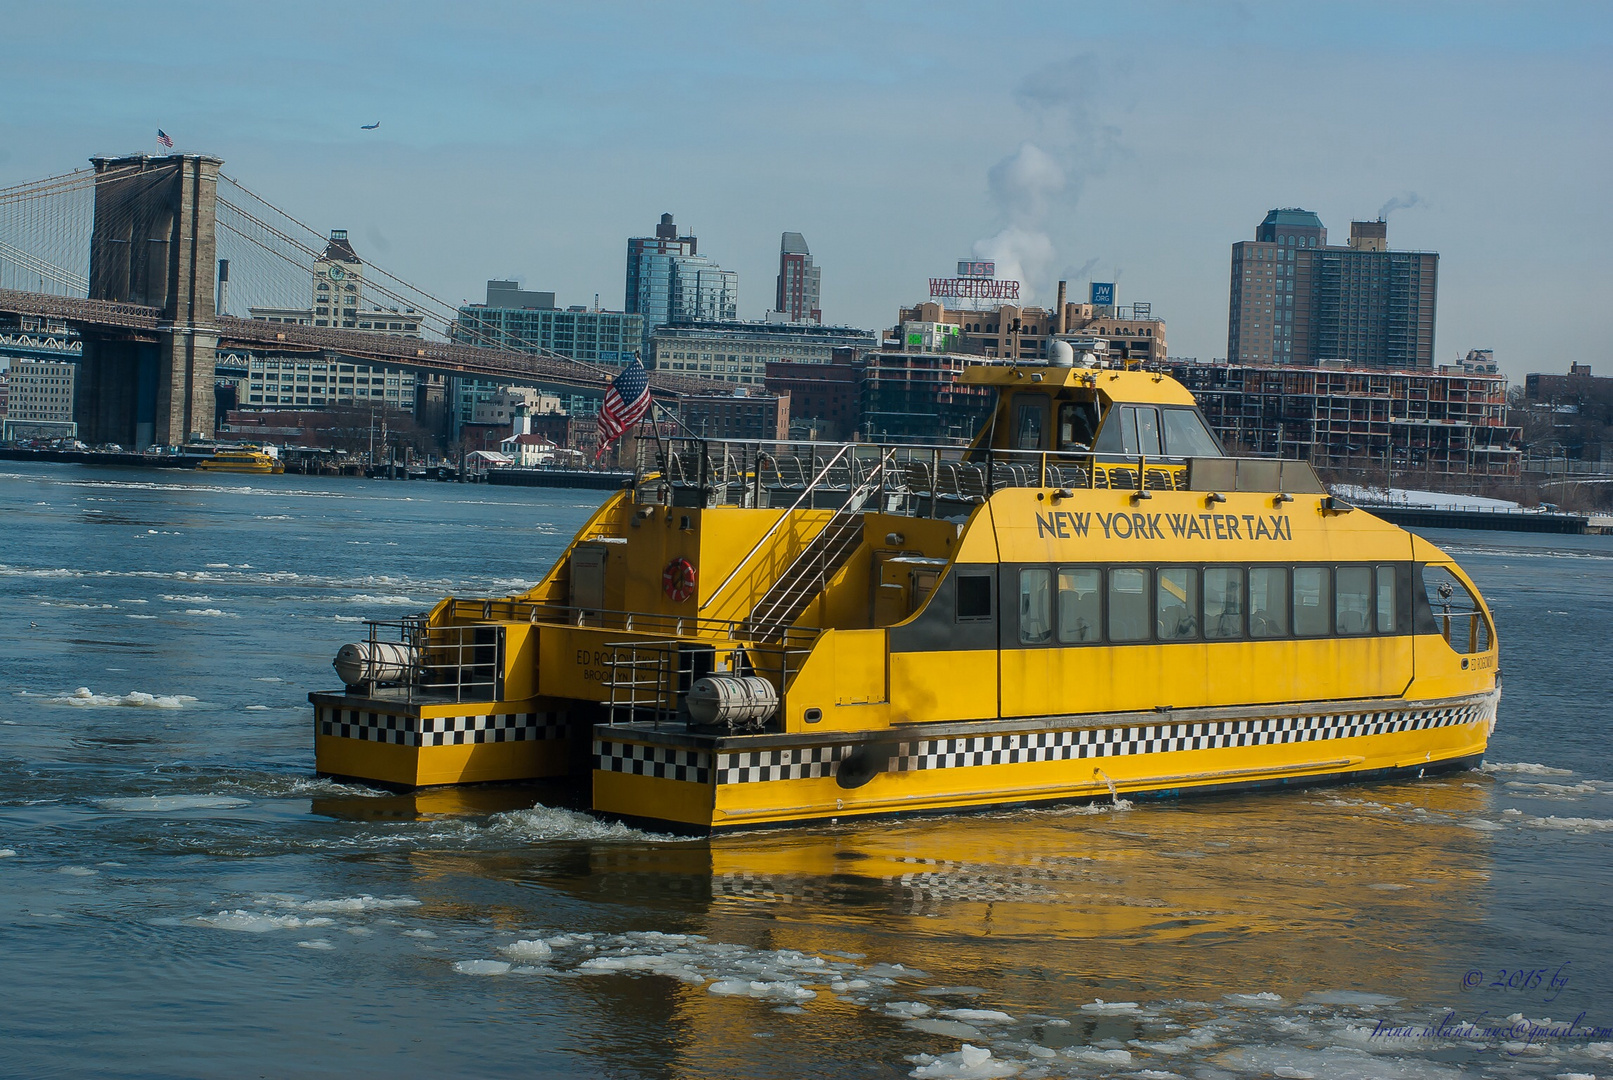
(1005, 474)
(1122, 477)
(971, 482)
(1067, 476)
(787, 472)
(1160, 479)
(916, 475)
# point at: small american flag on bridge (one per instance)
(163, 137)
(626, 402)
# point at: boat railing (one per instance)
(426, 663)
(1465, 631)
(924, 480)
(467, 610)
(646, 680)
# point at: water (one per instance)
(181, 897)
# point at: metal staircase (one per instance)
(806, 578)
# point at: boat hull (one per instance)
(687, 783)
(249, 469)
(413, 744)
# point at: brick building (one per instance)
(1010, 332)
(825, 399)
(744, 414)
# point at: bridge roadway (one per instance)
(414, 353)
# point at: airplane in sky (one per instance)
(370, 127)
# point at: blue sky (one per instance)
(1133, 142)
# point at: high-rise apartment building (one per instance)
(800, 282)
(530, 322)
(525, 321)
(668, 280)
(1296, 300)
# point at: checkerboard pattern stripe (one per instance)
(799, 764)
(1163, 738)
(640, 759)
(439, 730)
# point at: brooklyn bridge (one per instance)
(129, 254)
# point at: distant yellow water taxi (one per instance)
(246, 459)
(1092, 600)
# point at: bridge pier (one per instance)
(154, 244)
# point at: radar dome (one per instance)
(1060, 354)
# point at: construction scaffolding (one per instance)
(1445, 428)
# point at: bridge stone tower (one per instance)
(152, 244)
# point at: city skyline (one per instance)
(899, 144)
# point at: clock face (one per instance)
(337, 273)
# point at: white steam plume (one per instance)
(1046, 175)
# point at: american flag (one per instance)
(626, 402)
(162, 137)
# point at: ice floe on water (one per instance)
(212, 613)
(969, 1063)
(153, 804)
(347, 905)
(1525, 767)
(84, 697)
(524, 951)
(8, 853)
(257, 922)
(1570, 824)
(1110, 1008)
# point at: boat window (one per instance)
(1311, 601)
(974, 597)
(1036, 606)
(1030, 422)
(1223, 602)
(1147, 431)
(1352, 600)
(1386, 599)
(1078, 421)
(1080, 605)
(1268, 602)
(1186, 435)
(1128, 604)
(1176, 604)
(1456, 612)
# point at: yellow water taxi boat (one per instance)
(245, 459)
(1091, 601)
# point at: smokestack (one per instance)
(1058, 312)
(221, 298)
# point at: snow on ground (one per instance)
(1433, 500)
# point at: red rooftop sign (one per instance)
(971, 288)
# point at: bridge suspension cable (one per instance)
(301, 245)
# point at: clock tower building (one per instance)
(338, 283)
